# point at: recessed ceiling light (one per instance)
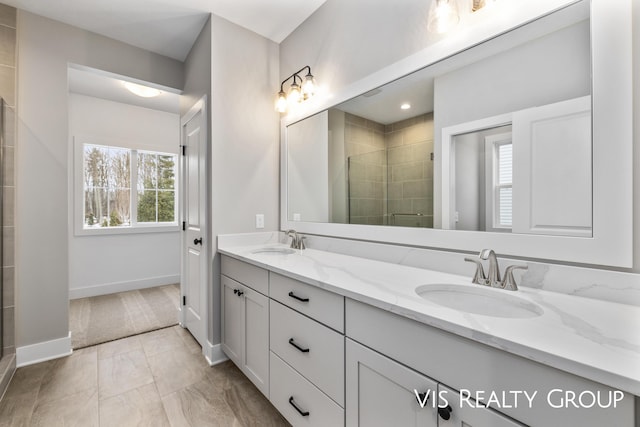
(405, 106)
(142, 91)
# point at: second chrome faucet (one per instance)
(297, 241)
(492, 278)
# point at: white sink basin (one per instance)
(481, 300)
(278, 251)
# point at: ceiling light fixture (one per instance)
(142, 91)
(297, 92)
(405, 106)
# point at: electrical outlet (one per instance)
(259, 220)
(296, 217)
(456, 217)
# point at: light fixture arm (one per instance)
(294, 75)
(298, 91)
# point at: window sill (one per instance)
(127, 230)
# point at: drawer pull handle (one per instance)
(294, 296)
(293, 343)
(300, 411)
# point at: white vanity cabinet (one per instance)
(307, 352)
(458, 365)
(245, 319)
(382, 392)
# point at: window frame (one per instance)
(492, 191)
(135, 227)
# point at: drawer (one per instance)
(323, 306)
(289, 390)
(322, 363)
(254, 277)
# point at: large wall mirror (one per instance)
(506, 144)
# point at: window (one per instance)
(498, 199)
(125, 188)
(503, 185)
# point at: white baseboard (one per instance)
(110, 288)
(214, 353)
(43, 351)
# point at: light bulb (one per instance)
(308, 86)
(405, 106)
(281, 102)
(443, 15)
(294, 94)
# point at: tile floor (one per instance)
(155, 379)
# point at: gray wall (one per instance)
(43, 209)
(345, 40)
(244, 138)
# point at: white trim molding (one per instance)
(43, 351)
(214, 354)
(130, 285)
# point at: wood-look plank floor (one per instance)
(99, 319)
(157, 379)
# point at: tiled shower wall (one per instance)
(410, 189)
(8, 93)
(365, 152)
(390, 171)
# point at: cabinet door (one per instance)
(232, 325)
(255, 364)
(381, 392)
(468, 413)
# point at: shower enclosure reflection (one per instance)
(390, 171)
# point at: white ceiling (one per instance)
(170, 27)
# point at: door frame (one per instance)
(198, 106)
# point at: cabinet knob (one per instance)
(197, 241)
(445, 413)
(240, 293)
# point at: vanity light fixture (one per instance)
(443, 15)
(142, 91)
(297, 92)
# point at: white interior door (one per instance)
(552, 166)
(194, 242)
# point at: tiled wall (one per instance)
(390, 172)
(365, 152)
(410, 189)
(8, 93)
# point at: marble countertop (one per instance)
(593, 339)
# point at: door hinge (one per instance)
(184, 150)
(184, 300)
(184, 225)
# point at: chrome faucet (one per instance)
(297, 241)
(493, 275)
